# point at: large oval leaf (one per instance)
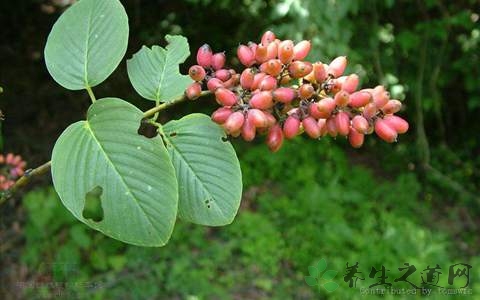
(87, 43)
(208, 171)
(154, 72)
(133, 174)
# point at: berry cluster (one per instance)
(11, 167)
(282, 95)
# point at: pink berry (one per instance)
(360, 99)
(246, 78)
(261, 55)
(326, 106)
(248, 130)
(322, 124)
(258, 118)
(284, 94)
(342, 123)
(392, 107)
(268, 83)
(315, 112)
(213, 84)
(331, 127)
(197, 72)
(380, 96)
(360, 124)
(204, 56)
(342, 98)
(257, 79)
(225, 97)
(397, 123)
(234, 122)
(306, 91)
(268, 37)
(261, 100)
(301, 50)
(272, 67)
(355, 138)
(291, 127)
(193, 91)
(275, 138)
(370, 110)
(218, 60)
(319, 72)
(351, 83)
(272, 50)
(385, 131)
(245, 55)
(298, 69)
(310, 126)
(222, 74)
(285, 51)
(221, 115)
(337, 66)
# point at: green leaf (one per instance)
(208, 171)
(311, 281)
(87, 43)
(330, 286)
(313, 271)
(329, 275)
(132, 175)
(154, 72)
(321, 265)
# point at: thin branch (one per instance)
(24, 180)
(91, 94)
(151, 112)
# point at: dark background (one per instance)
(415, 201)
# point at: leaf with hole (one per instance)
(208, 171)
(87, 43)
(129, 177)
(154, 73)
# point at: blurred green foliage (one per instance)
(300, 206)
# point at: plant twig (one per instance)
(156, 109)
(24, 180)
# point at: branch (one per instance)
(24, 180)
(151, 112)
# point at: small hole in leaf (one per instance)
(93, 205)
(225, 139)
(173, 134)
(147, 129)
(208, 206)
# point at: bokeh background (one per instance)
(416, 201)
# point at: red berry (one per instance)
(291, 127)
(197, 72)
(301, 50)
(342, 123)
(342, 98)
(397, 123)
(285, 51)
(268, 37)
(351, 83)
(337, 66)
(234, 122)
(261, 55)
(322, 124)
(204, 56)
(257, 79)
(270, 119)
(306, 91)
(392, 107)
(331, 127)
(272, 50)
(298, 69)
(385, 131)
(275, 138)
(360, 99)
(272, 67)
(213, 84)
(315, 112)
(218, 60)
(193, 91)
(246, 78)
(310, 126)
(370, 110)
(258, 118)
(355, 138)
(319, 72)
(268, 83)
(380, 96)
(261, 100)
(222, 74)
(360, 124)
(248, 130)
(284, 94)
(326, 106)
(245, 55)
(221, 115)
(225, 97)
